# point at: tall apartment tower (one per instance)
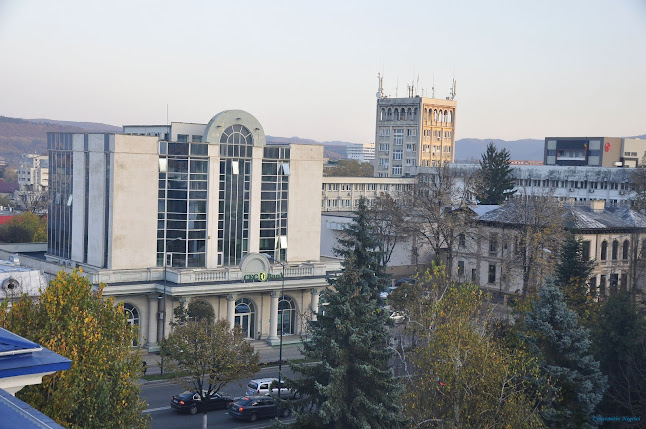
(413, 132)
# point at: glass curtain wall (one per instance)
(273, 202)
(59, 216)
(236, 147)
(182, 202)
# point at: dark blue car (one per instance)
(254, 407)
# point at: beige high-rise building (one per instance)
(413, 132)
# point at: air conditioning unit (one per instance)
(591, 190)
(571, 189)
(622, 192)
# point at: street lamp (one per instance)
(280, 347)
(161, 370)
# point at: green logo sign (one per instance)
(262, 277)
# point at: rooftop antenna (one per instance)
(452, 91)
(396, 86)
(433, 87)
(380, 90)
(417, 86)
(167, 114)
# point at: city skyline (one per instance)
(522, 70)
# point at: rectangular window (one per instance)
(492, 273)
(493, 243)
(586, 250)
(473, 275)
(398, 155)
(182, 138)
(462, 240)
(397, 171)
(460, 268)
(398, 136)
(602, 285)
(624, 282)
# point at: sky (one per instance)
(524, 69)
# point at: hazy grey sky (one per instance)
(309, 69)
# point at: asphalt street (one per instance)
(158, 395)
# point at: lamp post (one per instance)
(280, 347)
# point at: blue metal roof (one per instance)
(19, 356)
(15, 413)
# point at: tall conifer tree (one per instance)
(351, 385)
(573, 272)
(566, 359)
(497, 180)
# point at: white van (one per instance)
(261, 386)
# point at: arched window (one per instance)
(383, 114)
(410, 114)
(425, 114)
(245, 316)
(615, 249)
(415, 113)
(445, 117)
(402, 114)
(451, 117)
(286, 315)
(237, 135)
(390, 113)
(132, 316)
(604, 250)
(396, 114)
(624, 250)
(435, 115)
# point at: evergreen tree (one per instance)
(567, 361)
(573, 271)
(351, 385)
(497, 181)
(620, 340)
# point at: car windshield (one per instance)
(253, 385)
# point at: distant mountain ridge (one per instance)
(20, 136)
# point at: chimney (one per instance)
(598, 205)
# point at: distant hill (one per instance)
(20, 136)
(332, 149)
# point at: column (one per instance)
(231, 309)
(153, 307)
(273, 316)
(315, 303)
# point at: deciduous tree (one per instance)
(497, 176)
(351, 384)
(460, 375)
(100, 390)
(389, 223)
(440, 210)
(211, 354)
(351, 168)
(24, 228)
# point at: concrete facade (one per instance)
(413, 132)
(192, 211)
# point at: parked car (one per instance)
(190, 402)
(268, 386)
(388, 291)
(404, 280)
(252, 408)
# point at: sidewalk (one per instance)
(291, 350)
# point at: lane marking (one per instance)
(152, 410)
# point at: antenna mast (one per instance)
(433, 87)
(380, 90)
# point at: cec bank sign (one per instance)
(262, 277)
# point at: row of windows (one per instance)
(573, 184)
(410, 114)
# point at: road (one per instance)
(158, 395)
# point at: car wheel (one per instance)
(285, 412)
(253, 417)
(194, 409)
